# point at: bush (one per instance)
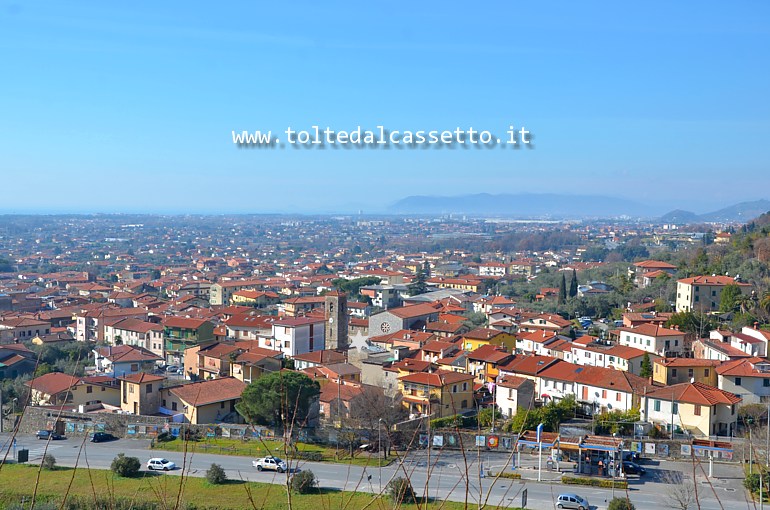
(400, 490)
(311, 456)
(621, 504)
(751, 482)
(215, 475)
(125, 466)
(49, 461)
(508, 474)
(594, 482)
(304, 482)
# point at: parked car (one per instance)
(172, 369)
(100, 437)
(572, 501)
(45, 434)
(632, 468)
(631, 456)
(160, 464)
(270, 463)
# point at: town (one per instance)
(641, 339)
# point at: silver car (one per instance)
(572, 501)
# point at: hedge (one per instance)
(507, 474)
(594, 482)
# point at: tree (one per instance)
(680, 494)
(621, 504)
(646, 369)
(304, 482)
(729, 300)
(400, 490)
(125, 466)
(573, 285)
(418, 285)
(215, 475)
(279, 398)
(563, 289)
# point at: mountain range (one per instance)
(560, 206)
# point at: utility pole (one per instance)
(1, 410)
(379, 450)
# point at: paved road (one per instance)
(447, 475)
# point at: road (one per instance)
(447, 475)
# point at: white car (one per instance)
(160, 464)
(270, 463)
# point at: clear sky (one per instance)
(130, 107)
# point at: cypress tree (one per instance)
(563, 289)
(573, 284)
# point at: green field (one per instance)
(102, 489)
(260, 448)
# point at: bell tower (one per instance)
(336, 315)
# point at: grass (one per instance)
(260, 448)
(16, 482)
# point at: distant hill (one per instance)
(524, 205)
(679, 216)
(742, 212)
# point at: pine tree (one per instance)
(573, 285)
(563, 290)
(646, 369)
(418, 285)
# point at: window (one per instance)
(465, 386)
(604, 393)
(690, 373)
(697, 410)
(676, 408)
(617, 396)
(697, 298)
(173, 406)
(134, 367)
(222, 405)
(673, 372)
(148, 388)
(706, 373)
(164, 402)
(657, 405)
(90, 389)
(738, 381)
(766, 382)
(713, 293)
(130, 388)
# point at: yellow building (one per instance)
(437, 394)
(668, 371)
(56, 388)
(140, 393)
(211, 401)
(475, 338)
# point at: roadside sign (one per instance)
(524, 498)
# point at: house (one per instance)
(529, 367)
(90, 325)
(654, 339)
(749, 378)
(249, 326)
(437, 349)
(250, 365)
(402, 338)
(646, 271)
(16, 360)
(121, 360)
(140, 393)
(548, 322)
(296, 335)
(135, 332)
(753, 343)
(475, 338)
(610, 355)
(668, 371)
(22, 328)
(341, 373)
(336, 401)
(382, 296)
(404, 317)
(522, 267)
(180, 333)
(318, 358)
(697, 408)
(705, 348)
(595, 388)
(255, 298)
(483, 362)
(512, 393)
(704, 293)
(437, 394)
(56, 388)
(634, 319)
(492, 269)
(210, 361)
(211, 401)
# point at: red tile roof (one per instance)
(695, 393)
(210, 391)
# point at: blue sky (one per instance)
(130, 107)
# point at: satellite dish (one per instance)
(596, 393)
(692, 380)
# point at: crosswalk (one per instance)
(41, 450)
